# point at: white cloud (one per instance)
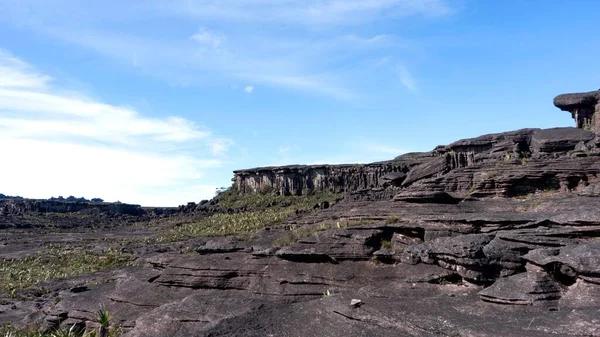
(72, 145)
(249, 89)
(406, 78)
(15, 73)
(317, 52)
(283, 150)
(206, 37)
(308, 12)
(220, 146)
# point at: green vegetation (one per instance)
(104, 320)
(263, 210)
(392, 220)
(386, 243)
(257, 201)
(229, 224)
(295, 235)
(75, 331)
(56, 262)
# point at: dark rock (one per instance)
(428, 169)
(524, 289)
(462, 253)
(215, 247)
(584, 109)
(191, 316)
(392, 178)
(582, 261)
(436, 197)
(567, 102)
(559, 139)
(301, 179)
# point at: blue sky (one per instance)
(156, 102)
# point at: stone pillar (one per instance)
(584, 118)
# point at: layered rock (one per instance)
(300, 179)
(584, 109)
(459, 233)
(22, 206)
(501, 164)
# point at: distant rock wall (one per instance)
(301, 180)
(501, 164)
(21, 206)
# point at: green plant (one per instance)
(326, 293)
(386, 243)
(228, 224)
(392, 220)
(104, 320)
(294, 236)
(56, 262)
(263, 210)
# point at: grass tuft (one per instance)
(56, 262)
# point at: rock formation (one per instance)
(21, 206)
(497, 235)
(503, 164)
(584, 108)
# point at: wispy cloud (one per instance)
(15, 73)
(318, 52)
(249, 89)
(406, 78)
(309, 12)
(206, 37)
(71, 144)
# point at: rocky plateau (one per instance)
(497, 235)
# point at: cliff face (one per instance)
(502, 164)
(300, 179)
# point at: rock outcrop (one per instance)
(584, 108)
(300, 179)
(21, 206)
(503, 164)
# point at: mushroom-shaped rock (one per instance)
(584, 108)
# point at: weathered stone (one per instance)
(582, 260)
(392, 178)
(583, 107)
(524, 289)
(300, 179)
(559, 139)
(436, 197)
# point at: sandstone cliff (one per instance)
(502, 164)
